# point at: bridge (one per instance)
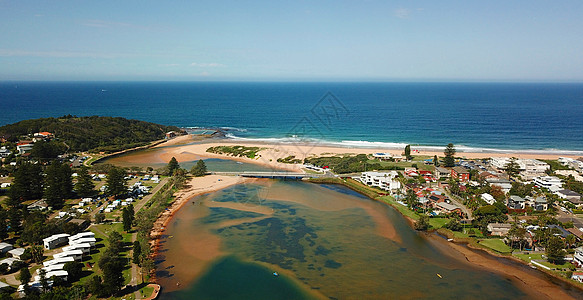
(274, 175)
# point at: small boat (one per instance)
(439, 275)
(450, 240)
(240, 163)
(275, 274)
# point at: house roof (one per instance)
(576, 232)
(447, 206)
(569, 193)
(460, 170)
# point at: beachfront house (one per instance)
(383, 180)
(499, 229)
(55, 241)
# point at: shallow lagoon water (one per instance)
(324, 241)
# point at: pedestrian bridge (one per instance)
(273, 175)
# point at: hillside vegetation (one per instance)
(94, 133)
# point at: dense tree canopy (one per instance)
(84, 186)
(58, 184)
(92, 133)
(116, 182)
(27, 184)
(199, 169)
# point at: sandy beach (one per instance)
(272, 151)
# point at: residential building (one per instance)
(499, 162)
(578, 257)
(500, 229)
(16, 253)
(383, 180)
(9, 261)
(55, 240)
(57, 273)
(578, 276)
(447, 208)
(56, 261)
(538, 203)
(5, 247)
(504, 184)
(547, 182)
(4, 152)
(568, 194)
(440, 172)
(488, 198)
(516, 202)
(460, 174)
(568, 173)
(77, 255)
(24, 147)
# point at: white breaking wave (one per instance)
(399, 146)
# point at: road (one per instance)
(455, 200)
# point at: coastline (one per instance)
(270, 152)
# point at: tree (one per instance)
(411, 198)
(44, 281)
(497, 193)
(422, 224)
(24, 276)
(27, 184)
(436, 161)
(408, 152)
(554, 250)
(454, 225)
(37, 254)
(112, 265)
(116, 182)
(3, 223)
(136, 252)
(199, 169)
(172, 166)
(58, 184)
(115, 242)
(85, 186)
(512, 168)
(75, 270)
(449, 152)
(570, 240)
(99, 218)
(126, 219)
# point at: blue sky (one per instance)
(292, 40)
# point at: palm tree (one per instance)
(570, 240)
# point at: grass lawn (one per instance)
(401, 208)
(496, 244)
(146, 291)
(438, 222)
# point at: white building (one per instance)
(548, 182)
(86, 234)
(85, 247)
(55, 240)
(5, 247)
(568, 173)
(56, 261)
(384, 180)
(86, 240)
(578, 256)
(4, 152)
(16, 253)
(77, 255)
(488, 198)
(57, 273)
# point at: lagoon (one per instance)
(324, 241)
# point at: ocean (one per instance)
(531, 117)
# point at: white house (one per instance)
(4, 152)
(5, 247)
(578, 256)
(548, 182)
(9, 261)
(383, 180)
(86, 240)
(86, 234)
(85, 247)
(57, 273)
(16, 253)
(55, 240)
(55, 261)
(77, 255)
(488, 198)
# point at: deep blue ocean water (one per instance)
(525, 116)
